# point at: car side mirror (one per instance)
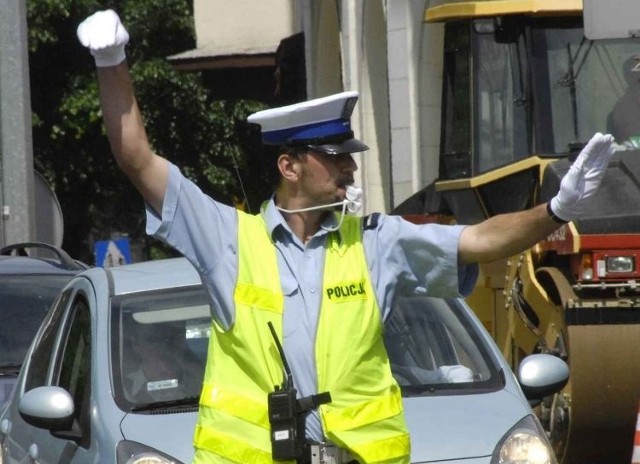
(542, 375)
(49, 408)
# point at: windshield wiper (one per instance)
(571, 76)
(10, 369)
(188, 401)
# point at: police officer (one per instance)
(324, 279)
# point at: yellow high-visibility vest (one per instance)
(365, 415)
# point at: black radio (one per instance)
(287, 433)
(287, 414)
(287, 424)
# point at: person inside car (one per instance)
(160, 365)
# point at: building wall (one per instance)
(224, 26)
(394, 60)
(346, 50)
(381, 48)
(364, 68)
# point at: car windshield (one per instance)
(24, 302)
(433, 346)
(159, 346)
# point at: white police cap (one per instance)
(322, 124)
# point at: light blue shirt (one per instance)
(402, 258)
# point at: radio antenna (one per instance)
(289, 377)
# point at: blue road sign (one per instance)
(110, 253)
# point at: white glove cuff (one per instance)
(109, 57)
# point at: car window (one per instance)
(25, 301)
(75, 364)
(38, 364)
(159, 347)
(433, 346)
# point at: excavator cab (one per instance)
(518, 86)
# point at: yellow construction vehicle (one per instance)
(523, 90)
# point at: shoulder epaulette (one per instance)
(370, 221)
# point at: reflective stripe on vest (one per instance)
(244, 366)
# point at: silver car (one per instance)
(31, 276)
(115, 371)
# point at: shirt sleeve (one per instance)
(205, 232)
(404, 257)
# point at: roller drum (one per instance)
(604, 393)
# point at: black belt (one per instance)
(325, 453)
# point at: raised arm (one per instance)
(105, 36)
(505, 235)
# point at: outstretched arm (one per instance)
(106, 37)
(508, 234)
(504, 235)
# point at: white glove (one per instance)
(456, 373)
(105, 36)
(583, 179)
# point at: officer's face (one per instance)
(325, 178)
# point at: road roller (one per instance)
(523, 90)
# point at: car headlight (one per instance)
(525, 443)
(148, 458)
(131, 452)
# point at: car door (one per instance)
(61, 356)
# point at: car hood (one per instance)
(169, 432)
(461, 426)
(443, 428)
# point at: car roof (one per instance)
(153, 275)
(42, 258)
(35, 265)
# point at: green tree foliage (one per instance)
(208, 139)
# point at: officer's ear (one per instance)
(290, 166)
